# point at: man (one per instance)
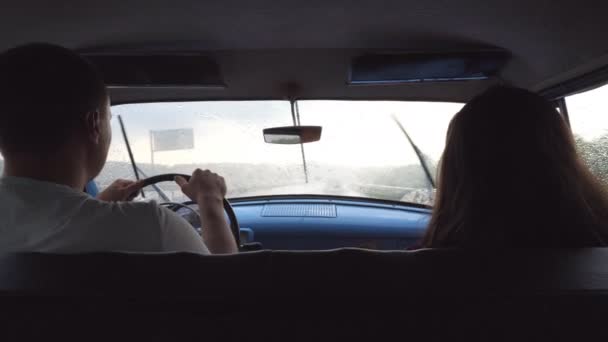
(54, 136)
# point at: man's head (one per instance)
(53, 101)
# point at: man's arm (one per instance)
(208, 189)
(177, 234)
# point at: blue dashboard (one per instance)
(305, 223)
(321, 222)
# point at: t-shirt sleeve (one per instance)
(177, 235)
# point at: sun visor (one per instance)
(158, 70)
(398, 68)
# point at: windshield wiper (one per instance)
(136, 169)
(423, 163)
(295, 115)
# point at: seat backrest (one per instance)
(346, 293)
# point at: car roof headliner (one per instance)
(261, 45)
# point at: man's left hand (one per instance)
(120, 190)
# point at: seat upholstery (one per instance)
(279, 295)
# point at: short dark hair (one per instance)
(45, 90)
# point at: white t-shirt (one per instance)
(48, 217)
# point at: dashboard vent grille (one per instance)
(299, 210)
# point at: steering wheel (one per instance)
(170, 177)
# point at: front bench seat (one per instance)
(278, 295)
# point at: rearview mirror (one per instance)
(292, 135)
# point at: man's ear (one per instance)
(93, 126)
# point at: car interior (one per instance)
(328, 120)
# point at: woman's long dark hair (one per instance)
(510, 176)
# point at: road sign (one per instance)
(172, 139)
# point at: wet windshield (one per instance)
(363, 152)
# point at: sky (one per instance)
(357, 133)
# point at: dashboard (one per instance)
(306, 223)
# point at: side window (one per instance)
(588, 113)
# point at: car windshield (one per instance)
(364, 149)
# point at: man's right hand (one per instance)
(203, 186)
(208, 190)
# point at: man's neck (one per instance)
(65, 171)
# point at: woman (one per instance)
(510, 176)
